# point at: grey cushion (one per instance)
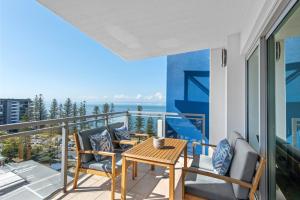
(233, 137)
(122, 134)
(104, 165)
(243, 167)
(111, 128)
(85, 143)
(203, 162)
(208, 188)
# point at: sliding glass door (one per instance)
(253, 117)
(284, 108)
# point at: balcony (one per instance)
(40, 157)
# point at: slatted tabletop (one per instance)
(169, 154)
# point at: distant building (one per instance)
(12, 110)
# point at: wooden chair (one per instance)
(199, 183)
(110, 167)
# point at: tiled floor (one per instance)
(149, 184)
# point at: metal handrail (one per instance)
(21, 125)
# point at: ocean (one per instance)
(131, 107)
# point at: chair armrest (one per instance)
(217, 176)
(140, 135)
(103, 153)
(129, 142)
(203, 144)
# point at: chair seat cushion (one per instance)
(222, 157)
(104, 165)
(203, 162)
(208, 188)
(101, 142)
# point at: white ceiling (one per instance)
(136, 29)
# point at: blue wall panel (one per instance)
(188, 92)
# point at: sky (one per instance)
(40, 53)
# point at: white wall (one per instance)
(280, 95)
(236, 88)
(217, 105)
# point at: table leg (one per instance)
(185, 157)
(152, 167)
(172, 182)
(124, 178)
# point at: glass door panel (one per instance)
(253, 99)
(284, 112)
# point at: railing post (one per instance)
(164, 125)
(106, 120)
(64, 157)
(127, 120)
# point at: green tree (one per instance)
(54, 112)
(105, 108)
(68, 108)
(39, 109)
(129, 120)
(149, 129)
(75, 110)
(112, 107)
(42, 112)
(82, 109)
(61, 111)
(82, 112)
(139, 120)
(96, 111)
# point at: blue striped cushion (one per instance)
(222, 157)
(101, 142)
(122, 134)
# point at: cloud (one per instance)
(139, 96)
(157, 97)
(120, 96)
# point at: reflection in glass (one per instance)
(286, 63)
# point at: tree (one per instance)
(139, 120)
(75, 110)
(61, 111)
(68, 108)
(82, 109)
(39, 109)
(129, 120)
(105, 108)
(96, 112)
(112, 107)
(54, 112)
(42, 112)
(82, 112)
(149, 129)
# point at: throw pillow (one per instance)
(222, 157)
(122, 134)
(101, 142)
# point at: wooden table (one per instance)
(146, 153)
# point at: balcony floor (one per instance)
(149, 184)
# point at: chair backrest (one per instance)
(83, 142)
(233, 137)
(243, 167)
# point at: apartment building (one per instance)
(12, 110)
